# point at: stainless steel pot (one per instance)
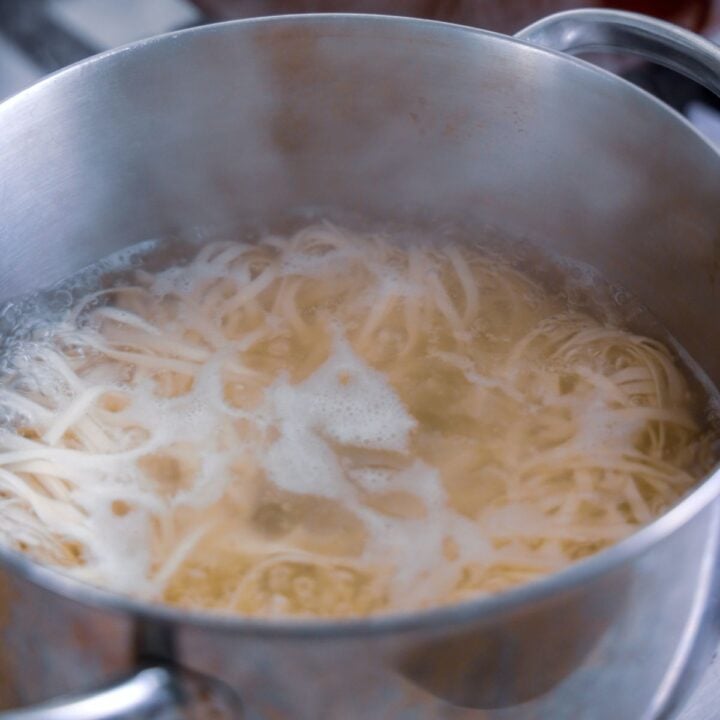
(381, 116)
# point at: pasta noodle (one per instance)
(334, 424)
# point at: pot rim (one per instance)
(458, 613)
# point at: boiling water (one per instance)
(337, 423)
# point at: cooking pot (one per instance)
(380, 116)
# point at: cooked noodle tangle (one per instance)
(335, 424)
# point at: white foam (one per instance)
(415, 546)
(174, 280)
(122, 550)
(314, 265)
(373, 479)
(345, 401)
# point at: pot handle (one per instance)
(157, 692)
(577, 32)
